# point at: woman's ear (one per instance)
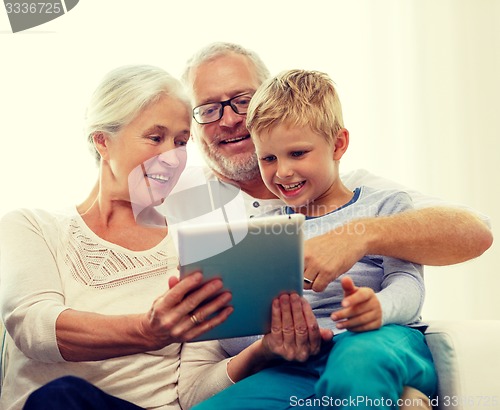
(101, 144)
(341, 144)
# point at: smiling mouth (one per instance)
(292, 187)
(234, 140)
(163, 179)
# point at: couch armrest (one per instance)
(467, 358)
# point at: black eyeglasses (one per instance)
(211, 112)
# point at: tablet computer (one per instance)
(257, 260)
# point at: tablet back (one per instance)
(257, 259)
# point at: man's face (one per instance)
(226, 143)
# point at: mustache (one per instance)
(239, 132)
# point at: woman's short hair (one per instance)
(297, 98)
(219, 49)
(123, 93)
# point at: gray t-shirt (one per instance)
(399, 284)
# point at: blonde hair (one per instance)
(123, 93)
(297, 98)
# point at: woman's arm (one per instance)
(31, 292)
(85, 336)
(33, 306)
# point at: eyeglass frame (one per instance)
(223, 104)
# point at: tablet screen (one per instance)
(257, 260)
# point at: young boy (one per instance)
(295, 120)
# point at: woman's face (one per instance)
(147, 156)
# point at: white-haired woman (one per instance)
(85, 292)
(90, 322)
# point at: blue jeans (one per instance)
(361, 370)
(73, 393)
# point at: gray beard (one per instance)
(238, 171)
(234, 169)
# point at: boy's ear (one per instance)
(101, 144)
(341, 144)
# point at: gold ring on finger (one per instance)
(195, 320)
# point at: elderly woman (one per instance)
(84, 292)
(85, 289)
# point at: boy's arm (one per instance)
(403, 292)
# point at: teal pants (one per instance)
(357, 371)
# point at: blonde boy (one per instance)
(296, 124)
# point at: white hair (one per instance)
(123, 93)
(218, 49)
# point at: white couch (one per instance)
(467, 358)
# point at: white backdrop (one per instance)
(419, 81)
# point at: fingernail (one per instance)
(217, 284)
(285, 299)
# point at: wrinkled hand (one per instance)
(332, 254)
(182, 313)
(361, 310)
(295, 334)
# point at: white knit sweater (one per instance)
(50, 262)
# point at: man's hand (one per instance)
(332, 254)
(295, 334)
(361, 310)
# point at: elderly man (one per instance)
(221, 78)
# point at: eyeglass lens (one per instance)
(212, 112)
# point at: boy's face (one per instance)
(300, 167)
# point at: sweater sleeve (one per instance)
(402, 294)
(31, 295)
(402, 289)
(202, 372)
